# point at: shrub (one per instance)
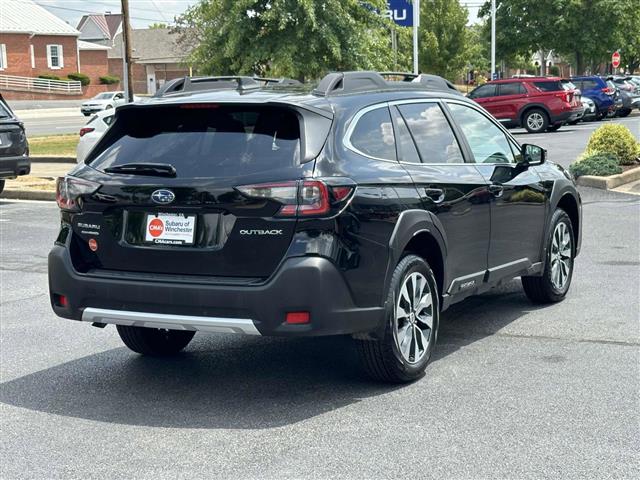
(81, 77)
(554, 70)
(616, 139)
(109, 80)
(600, 164)
(49, 76)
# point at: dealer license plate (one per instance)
(170, 228)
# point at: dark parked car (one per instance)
(366, 208)
(597, 89)
(535, 103)
(14, 148)
(629, 99)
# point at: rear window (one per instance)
(549, 85)
(211, 141)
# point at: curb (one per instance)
(609, 183)
(27, 195)
(44, 159)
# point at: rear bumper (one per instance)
(11, 167)
(568, 116)
(310, 284)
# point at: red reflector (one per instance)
(93, 244)
(340, 193)
(85, 130)
(61, 300)
(296, 318)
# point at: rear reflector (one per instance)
(85, 130)
(60, 300)
(297, 318)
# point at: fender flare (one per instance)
(409, 224)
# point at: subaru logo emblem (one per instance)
(163, 196)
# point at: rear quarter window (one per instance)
(549, 85)
(373, 135)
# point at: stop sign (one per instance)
(615, 59)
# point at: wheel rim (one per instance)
(561, 250)
(414, 318)
(535, 121)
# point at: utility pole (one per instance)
(126, 38)
(493, 38)
(416, 24)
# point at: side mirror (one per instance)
(533, 154)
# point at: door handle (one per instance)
(496, 190)
(435, 194)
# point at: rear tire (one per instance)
(1, 185)
(555, 281)
(535, 120)
(153, 341)
(411, 325)
(554, 128)
(624, 112)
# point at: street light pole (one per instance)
(493, 38)
(416, 24)
(126, 38)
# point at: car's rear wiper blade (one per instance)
(151, 169)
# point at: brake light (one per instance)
(302, 198)
(297, 318)
(608, 90)
(565, 96)
(69, 190)
(85, 130)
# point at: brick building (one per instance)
(33, 41)
(157, 58)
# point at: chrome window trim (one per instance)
(346, 140)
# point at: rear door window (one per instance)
(204, 140)
(373, 135)
(432, 133)
(511, 89)
(549, 85)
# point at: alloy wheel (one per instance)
(561, 250)
(414, 318)
(535, 121)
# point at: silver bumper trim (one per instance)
(170, 322)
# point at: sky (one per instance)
(145, 12)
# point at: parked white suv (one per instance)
(92, 132)
(102, 101)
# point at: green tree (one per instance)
(292, 38)
(443, 38)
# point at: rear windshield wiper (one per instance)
(151, 169)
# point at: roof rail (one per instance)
(343, 83)
(278, 81)
(398, 76)
(195, 84)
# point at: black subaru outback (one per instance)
(366, 207)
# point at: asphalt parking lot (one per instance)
(515, 391)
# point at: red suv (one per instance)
(535, 103)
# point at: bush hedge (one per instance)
(615, 139)
(81, 77)
(600, 164)
(49, 76)
(109, 80)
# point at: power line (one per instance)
(90, 11)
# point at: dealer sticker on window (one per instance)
(170, 228)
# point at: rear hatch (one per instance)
(168, 200)
(566, 91)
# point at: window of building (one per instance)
(55, 58)
(3, 56)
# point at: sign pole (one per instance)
(416, 24)
(493, 39)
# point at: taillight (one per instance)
(69, 190)
(608, 90)
(565, 96)
(305, 198)
(85, 130)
